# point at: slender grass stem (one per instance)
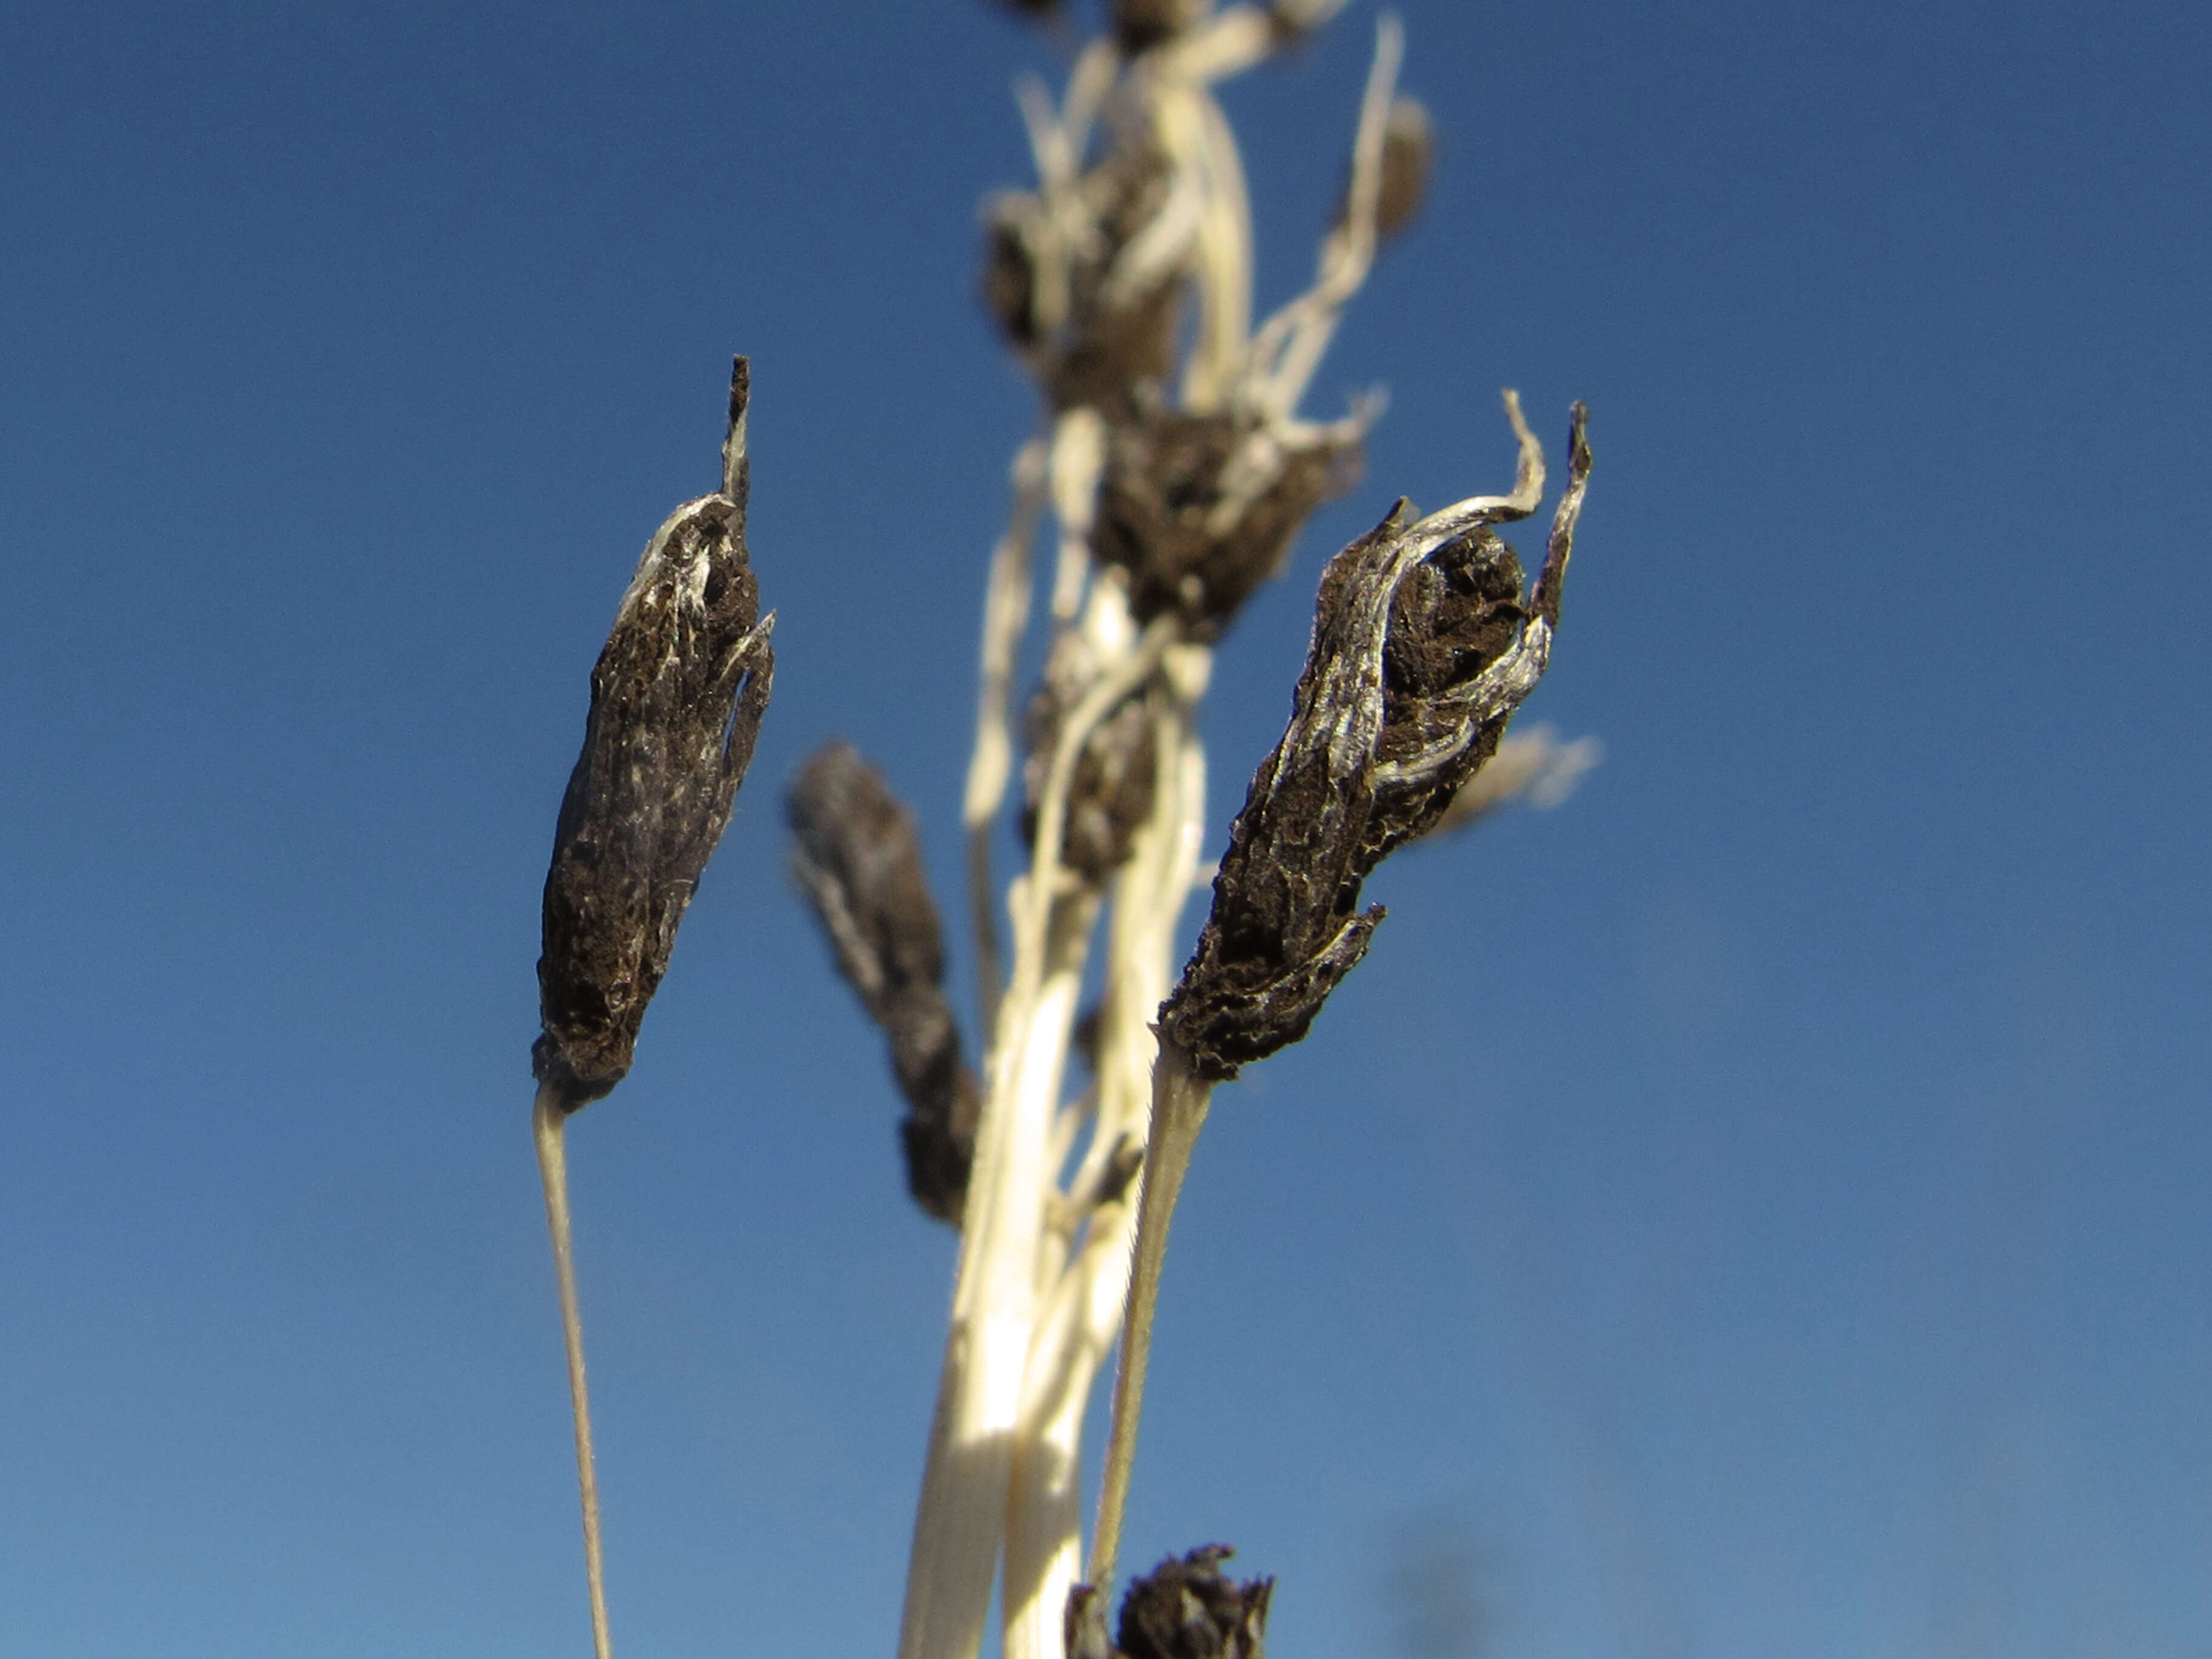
(1179, 1100)
(548, 1122)
(1076, 1332)
(1005, 618)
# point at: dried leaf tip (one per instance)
(855, 855)
(677, 700)
(1423, 645)
(1183, 1609)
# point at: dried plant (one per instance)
(677, 700)
(1423, 645)
(1176, 471)
(1173, 461)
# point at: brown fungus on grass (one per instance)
(1201, 510)
(1184, 1608)
(1423, 645)
(856, 855)
(677, 700)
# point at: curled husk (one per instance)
(855, 855)
(1423, 645)
(677, 700)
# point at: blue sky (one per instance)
(1756, 1208)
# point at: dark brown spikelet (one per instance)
(1091, 331)
(1423, 645)
(1109, 793)
(1139, 25)
(855, 853)
(1408, 145)
(1183, 1609)
(1201, 510)
(677, 700)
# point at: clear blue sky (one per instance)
(1760, 1208)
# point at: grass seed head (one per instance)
(1139, 25)
(677, 700)
(1183, 1609)
(855, 853)
(1201, 510)
(1423, 645)
(1092, 326)
(1111, 792)
(1409, 147)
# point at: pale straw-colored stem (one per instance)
(1290, 344)
(548, 1121)
(1233, 40)
(960, 1522)
(1194, 132)
(1179, 1100)
(1005, 619)
(1082, 1310)
(1079, 456)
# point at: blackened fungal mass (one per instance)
(1183, 1609)
(1111, 789)
(1163, 515)
(856, 854)
(1418, 659)
(677, 700)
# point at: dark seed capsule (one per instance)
(1012, 224)
(1423, 645)
(677, 700)
(1139, 25)
(1408, 145)
(856, 855)
(1109, 793)
(1201, 510)
(1183, 1609)
(1120, 332)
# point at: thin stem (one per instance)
(548, 1121)
(1289, 345)
(1005, 618)
(1082, 1311)
(960, 1521)
(1179, 1099)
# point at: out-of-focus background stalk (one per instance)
(1759, 1203)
